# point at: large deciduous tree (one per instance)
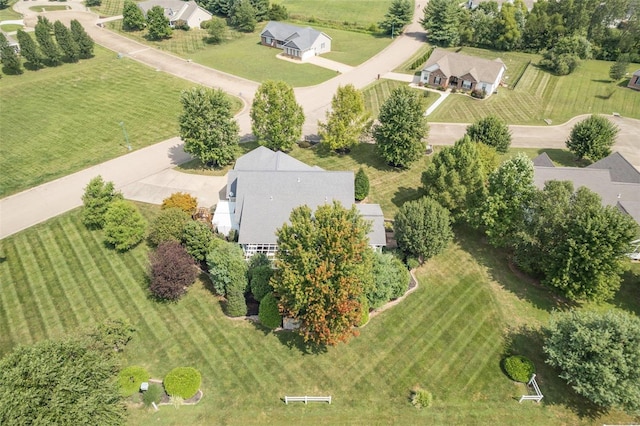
(132, 16)
(598, 354)
(207, 126)
(9, 59)
(442, 22)
(323, 269)
(60, 382)
(347, 120)
(592, 138)
(455, 178)
(96, 199)
(124, 226)
(574, 243)
(243, 16)
(171, 271)
(157, 24)
(397, 17)
(510, 191)
(422, 228)
(29, 50)
(492, 131)
(399, 135)
(276, 117)
(82, 39)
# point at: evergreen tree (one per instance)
(244, 16)
(442, 21)
(397, 17)
(49, 49)
(29, 50)
(261, 8)
(97, 197)
(66, 42)
(11, 63)
(619, 67)
(361, 185)
(82, 39)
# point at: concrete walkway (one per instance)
(327, 63)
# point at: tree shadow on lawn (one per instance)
(529, 341)
(564, 157)
(365, 153)
(404, 194)
(628, 297)
(293, 340)
(501, 270)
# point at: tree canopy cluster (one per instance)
(244, 15)
(567, 30)
(399, 15)
(53, 45)
(66, 381)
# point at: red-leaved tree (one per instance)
(171, 272)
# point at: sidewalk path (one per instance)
(327, 63)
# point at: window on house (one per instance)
(321, 45)
(484, 86)
(466, 84)
(437, 80)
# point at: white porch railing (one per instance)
(538, 394)
(305, 399)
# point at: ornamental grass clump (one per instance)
(421, 398)
(183, 382)
(518, 368)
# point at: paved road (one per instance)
(25, 209)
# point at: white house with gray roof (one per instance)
(450, 69)
(296, 42)
(265, 186)
(178, 10)
(613, 178)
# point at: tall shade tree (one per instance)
(157, 24)
(60, 382)
(422, 228)
(97, 197)
(442, 21)
(455, 178)
(66, 42)
(132, 17)
(347, 120)
(29, 50)
(82, 39)
(508, 30)
(11, 63)
(323, 269)
(575, 244)
(510, 192)
(243, 16)
(124, 226)
(49, 49)
(598, 354)
(207, 126)
(276, 117)
(402, 128)
(492, 131)
(592, 138)
(397, 17)
(619, 67)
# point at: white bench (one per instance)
(538, 394)
(305, 399)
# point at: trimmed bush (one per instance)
(421, 398)
(181, 200)
(183, 382)
(172, 270)
(269, 313)
(130, 379)
(361, 185)
(260, 282)
(236, 305)
(518, 368)
(153, 394)
(168, 225)
(124, 226)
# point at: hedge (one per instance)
(183, 382)
(268, 312)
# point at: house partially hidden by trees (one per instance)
(296, 42)
(177, 11)
(613, 178)
(634, 83)
(265, 186)
(449, 69)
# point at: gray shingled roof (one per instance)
(457, 64)
(373, 213)
(172, 8)
(543, 160)
(291, 35)
(266, 199)
(637, 73)
(621, 170)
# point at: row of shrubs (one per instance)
(181, 382)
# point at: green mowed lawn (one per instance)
(377, 93)
(8, 13)
(47, 8)
(540, 95)
(362, 12)
(60, 120)
(110, 7)
(448, 336)
(244, 56)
